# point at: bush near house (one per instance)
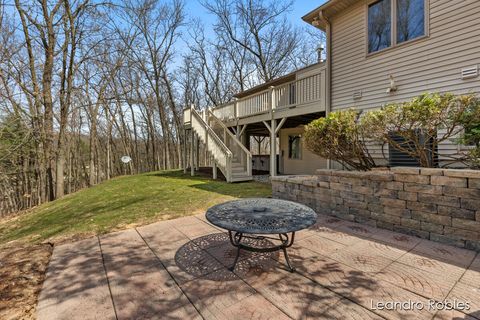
(421, 124)
(340, 137)
(471, 136)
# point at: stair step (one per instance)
(239, 174)
(242, 178)
(238, 170)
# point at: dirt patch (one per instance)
(22, 271)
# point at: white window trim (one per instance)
(393, 29)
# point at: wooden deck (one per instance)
(304, 95)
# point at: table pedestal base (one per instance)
(285, 242)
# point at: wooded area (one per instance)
(84, 82)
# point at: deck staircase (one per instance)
(229, 155)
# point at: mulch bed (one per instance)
(22, 272)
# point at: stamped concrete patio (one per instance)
(178, 270)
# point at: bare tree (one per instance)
(150, 40)
(83, 83)
(213, 64)
(261, 28)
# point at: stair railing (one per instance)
(235, 145)
(214, 145)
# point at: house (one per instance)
(378, 51)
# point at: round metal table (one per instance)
(256, 218)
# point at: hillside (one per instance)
(121, 203)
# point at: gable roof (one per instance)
(329, 9)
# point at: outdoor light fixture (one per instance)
(393, 87)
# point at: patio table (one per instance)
(259, 219)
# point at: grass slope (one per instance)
(124, 202)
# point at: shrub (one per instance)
(470, 121)
(339, 137)
(422, 123)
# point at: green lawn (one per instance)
(124, 202)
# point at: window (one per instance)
(410, 19)
(379, 25)
(294, 147)
(392, 22)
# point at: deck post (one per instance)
(273, 133)
(192, 151)
(192, 139)
(273, 148)
(207, 121)
(235, 108)
(197, 156)
(184, 151)
(214, 170)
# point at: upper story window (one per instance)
(391, 22)
(379, 25)
(410, 19)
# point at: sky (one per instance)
(300, 8)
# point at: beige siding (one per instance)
(308, 163)
(426, 65)
(431, 64)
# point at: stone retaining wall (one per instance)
(438, 204)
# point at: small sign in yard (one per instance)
(126, 159)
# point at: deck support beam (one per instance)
(242, 131)
(273, 129)
(184, 152)
(280, 125)
(259, 141)
(197, 154)
(273, 148)
(214, 169)
(192, 151)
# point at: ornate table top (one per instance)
(261, 216)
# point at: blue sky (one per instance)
(300, 8)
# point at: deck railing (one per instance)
(300, 92)
(225, 112)
(297, 93)
(186, 115)
(239, 151)
(219, 151)
(254, 104)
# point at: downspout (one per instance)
(328, 101)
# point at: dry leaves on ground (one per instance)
(22, 270)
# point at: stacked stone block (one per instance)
(438, 204)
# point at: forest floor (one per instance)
(26, 240)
